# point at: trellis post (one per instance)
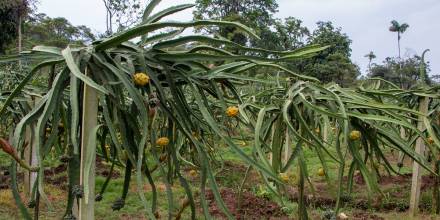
(420, 145)
(30, 156)
(416, 172)
(86, 211)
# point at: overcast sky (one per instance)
(366, 22)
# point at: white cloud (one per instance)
(79, 12)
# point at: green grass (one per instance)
(4, 159)
(226, 177)
(133, 208)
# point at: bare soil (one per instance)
(55, 175)
(397, 187)
(359, 215)
(252, 207)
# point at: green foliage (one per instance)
(189, 88)
(58, 32)
(256, 14)
(405, 73)
(305, 106)
(39, 29)
(397, 27)
(333, 64)
(184, 102)
(5, 160)
(287, 34)
(10, 13)
(334, 67)
(328, 215)
(327, 34)
(122, 13)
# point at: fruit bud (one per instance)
(6, 147)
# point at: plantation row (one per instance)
(137, 102)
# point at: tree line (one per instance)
(22, 27)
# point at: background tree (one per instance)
(370, 57)
(399, 29)
(435, 78)
(12, 14)
(333, 64)
(257, 14)
(122, 13)
(36, 29)
(405, 73)
(59, 32)
(287, 34)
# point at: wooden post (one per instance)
(416, 173)
(403, 136)
(436, 187)
(30, 156)
(27, 158)
(89, 121)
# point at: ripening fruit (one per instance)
(6, 147)
(151, 112)
(243, 143)
(317, 130)
(193, 173)
(157, 214)
(342, 216)
(141, 79)
(232, 111)
(355, 135)
(195, 135)
(163, 141)
(430, 140)
(321, 172)
(163, 157)
(284, 177)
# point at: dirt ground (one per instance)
(359, 207)
(251, 207)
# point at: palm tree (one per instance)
(370, 57)
(400, 29)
